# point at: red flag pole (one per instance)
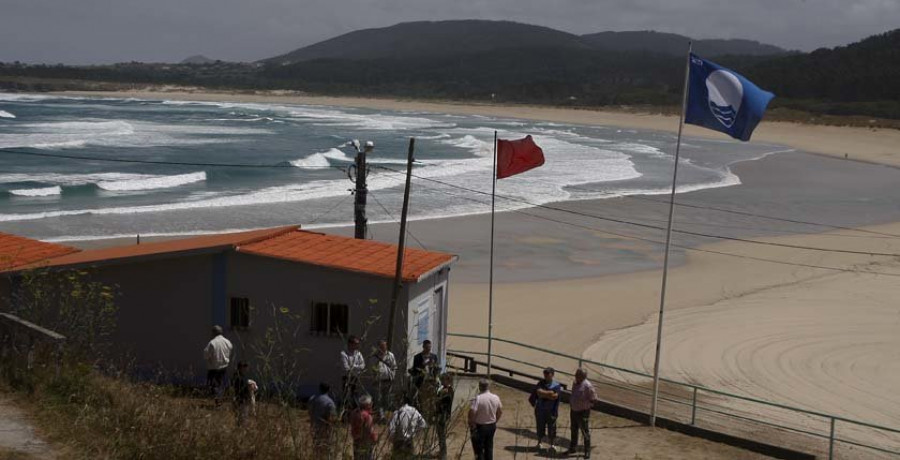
(662, 293)
(491, 270)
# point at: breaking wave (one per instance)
(151, 183)
(45, 191)
(321, 159)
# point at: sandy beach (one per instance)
(813, 329)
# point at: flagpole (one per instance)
(491, 271)
(662, 293)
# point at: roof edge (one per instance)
(453, 259)
(278, 231)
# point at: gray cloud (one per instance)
(101, 31)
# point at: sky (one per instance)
(105, 31)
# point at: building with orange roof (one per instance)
(310, 290)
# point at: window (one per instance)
(240, 312)
(330, 318)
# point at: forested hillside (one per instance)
(860, 78)
(509, 62)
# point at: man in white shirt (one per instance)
(353, 365)
(484, 413)
(218, 355)
(405, 424)
(385, 371)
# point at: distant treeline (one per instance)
(859, 79)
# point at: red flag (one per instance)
(514, 157)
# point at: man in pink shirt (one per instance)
(484, 413)
(581, 403)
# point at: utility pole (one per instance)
(361, 191)
(398, 273)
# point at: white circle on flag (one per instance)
(726, 93)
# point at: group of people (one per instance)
(218, 355)
(429, 392)
(486, 409)
(545, 401)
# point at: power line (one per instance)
(329, 210)
(648, 226)
(288, 165)
(408, 231)
(686, 248)
(763, 216)
(160, 162)
(583, 214)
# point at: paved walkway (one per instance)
(17, 435)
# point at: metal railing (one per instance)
(26, 344)
(733, 414)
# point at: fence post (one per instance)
(580, 363)
(59, 357)
(694, 407)
(831, 441)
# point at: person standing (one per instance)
(321, 418)
(353, 365)
(444, 412)
(385, 371)
(425, 365)
(405, 424)
(362, 429)
(217, 355)
(484, 413)
(545, 400)
(581, 403)
(244, 391)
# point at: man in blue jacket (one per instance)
(545, 400)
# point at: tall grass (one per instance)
(91, 409)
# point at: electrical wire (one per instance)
(648, 226)
(159, 162)
(543, 206)
(685, 248)
(408, 230)
(329, 210)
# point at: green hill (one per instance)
(858, 78)
(676, 45)
(426, 38)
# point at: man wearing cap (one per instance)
(545, 400)
(217, 355)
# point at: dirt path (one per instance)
(18, 438)
(613, 437)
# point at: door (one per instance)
(439, 324)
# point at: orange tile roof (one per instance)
(16, 251)
(185, 245)
(364, 256)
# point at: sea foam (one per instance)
(319, 160)
(151, 183)
(5, 114)
(45, 191)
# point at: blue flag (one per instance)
(722, 100)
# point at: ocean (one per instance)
(299, 155)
